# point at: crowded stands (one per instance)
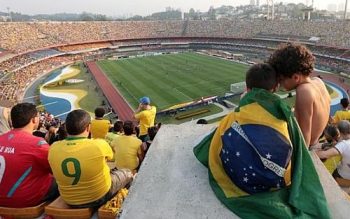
(23, 37)
(41, 46)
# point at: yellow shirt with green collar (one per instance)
(80, 169)
(146, 119)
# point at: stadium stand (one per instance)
(38, 47)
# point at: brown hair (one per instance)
(290, 58)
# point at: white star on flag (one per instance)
(250, 167)
(229, 134)
(253, 174)
(223, 151)
(245, 179)
(268, 156)
(238, 154)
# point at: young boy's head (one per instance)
(261, 76)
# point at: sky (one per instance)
(118, 8)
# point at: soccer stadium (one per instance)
(190, 70)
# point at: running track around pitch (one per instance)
(118, 103)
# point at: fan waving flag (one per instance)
(258, 164)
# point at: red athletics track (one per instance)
(118, 103)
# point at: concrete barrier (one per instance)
(173, 184)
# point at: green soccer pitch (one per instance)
(172, 79)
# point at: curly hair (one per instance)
(290, 58)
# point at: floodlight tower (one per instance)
(9, 13)
(270, 7)
(346, 9)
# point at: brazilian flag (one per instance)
(258, 164)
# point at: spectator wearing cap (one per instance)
(344, 113)
(341, 148)
(145, 115)
(99, 126)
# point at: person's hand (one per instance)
(316, 147)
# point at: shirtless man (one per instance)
(294, 64)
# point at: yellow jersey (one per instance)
(109, 138)
(341, 115)
(80, 169)
(99, 128)
(146, 118)
(126, 149)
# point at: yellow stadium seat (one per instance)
(58, 209)
(30, 212)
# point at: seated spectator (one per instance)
(249, 155)
(341, 148)
(5, 123)
(80, 168)
(331, 135)
(39, 132)
(145, 115)
(152, 131)
(25, 173)
(61, 133)
(128, 148)
(50, 136)
(344, 113)
(116, 131)
(99, 126)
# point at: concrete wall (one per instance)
(173, 184)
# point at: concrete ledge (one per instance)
(173, 184)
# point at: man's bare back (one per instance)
(312, 108)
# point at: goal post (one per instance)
(237, 88)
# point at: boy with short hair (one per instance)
(99, 126)
(251, 151)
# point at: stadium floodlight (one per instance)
(346, 9)
(9, 13)
(270, 7)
